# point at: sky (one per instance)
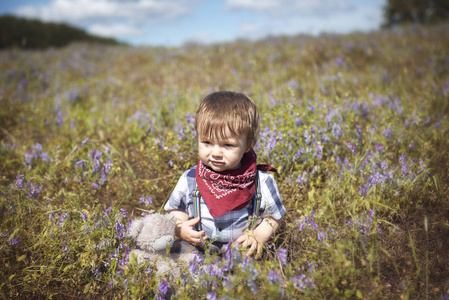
(173, 23)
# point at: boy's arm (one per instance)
(184, 228)
(256, 238)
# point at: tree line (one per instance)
(36, 34)
(398, 12)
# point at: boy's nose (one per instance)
(216, 151)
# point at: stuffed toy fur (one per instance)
(154, 234)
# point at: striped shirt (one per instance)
(233, 224)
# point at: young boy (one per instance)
(226, 191)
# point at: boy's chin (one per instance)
(221, 168)
(218, 168)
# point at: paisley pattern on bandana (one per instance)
(229, 190)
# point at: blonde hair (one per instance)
(223, 110)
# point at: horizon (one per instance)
(175, 23)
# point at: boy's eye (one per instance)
(206, 142)
(229, 145)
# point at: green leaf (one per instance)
(20, 258)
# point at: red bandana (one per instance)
(229, 190)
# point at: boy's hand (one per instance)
(248, 240)
(256, 238)
(185, 231)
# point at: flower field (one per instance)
(92, 137)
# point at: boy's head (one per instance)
(224, 112)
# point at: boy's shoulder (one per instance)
(264, 175)
(191, 172)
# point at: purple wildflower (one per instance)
(38, 147)
(211, 296)
(302, 178)
(379, 230)
(120, 228)
(313, 224)
(79, 164)
(336, 131)
(312, 108)
(282, 255)
(307, 137)
(33, 190)
(163, 290)
(95, 154)
(321, 236)
(59, 118)
(65, 248)
(10, 146)
(319, 151)
(195, 263)
(403, 160)
(301, 225)
(95, 185)
(146, 201)
(298, 154)
(273, 277)
(72, 124)
(125, 259)
(19, 181)
(13, 241)
(359, 131)
(107, 166)
(106, 212)
(298, 281)
(84, 142)
(364, 189)
(28, 157)
(352, 148)
(329, 116)
(388, 132)
(214, 270)
(83, 216)
(45, 157)
(102, 178)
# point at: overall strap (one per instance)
(196, 205)
(257, 199)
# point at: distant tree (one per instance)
(415, 11)
(31, 33)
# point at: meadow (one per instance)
(92, 137)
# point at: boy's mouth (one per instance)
(217, 163)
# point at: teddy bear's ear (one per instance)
(135, 228)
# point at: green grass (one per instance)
(357, 126)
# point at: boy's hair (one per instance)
(223, 110)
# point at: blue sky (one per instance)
(175, 22)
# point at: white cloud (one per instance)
(276, 7)
(122, 31)
(97, 16)
(311, 17)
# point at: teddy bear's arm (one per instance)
(136, 227)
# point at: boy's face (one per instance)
(223, 154)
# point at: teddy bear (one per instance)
(154, 235)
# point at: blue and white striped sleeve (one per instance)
(271, 199)
(178, 198)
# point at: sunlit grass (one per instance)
(93, 136)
